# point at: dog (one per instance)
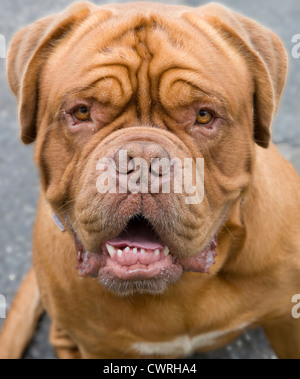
(154, 274)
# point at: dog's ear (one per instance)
(28, 51)
(265, 54)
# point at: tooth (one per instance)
(157, 252)
(166, 251)
(143, 251)
(111, 250)
(127, 249)
(120, 252)
(135, 250)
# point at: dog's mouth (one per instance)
(138, 256)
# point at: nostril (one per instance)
(160, 166)
(131, 167)
(143, 156)
(125, 163)
(121, 159)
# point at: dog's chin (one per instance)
(130, 279)
(137, 261)
(154, 286)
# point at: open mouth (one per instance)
(138, 254)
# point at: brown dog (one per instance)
(157, 82)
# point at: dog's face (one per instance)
(142, 81)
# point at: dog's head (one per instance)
(113, 93)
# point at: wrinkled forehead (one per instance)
(126, 55)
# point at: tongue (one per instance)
(138, 234)
(135, 242)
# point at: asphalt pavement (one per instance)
(19, 185)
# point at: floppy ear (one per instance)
(28, 51)
(266, 56)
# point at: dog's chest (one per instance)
(183, 345)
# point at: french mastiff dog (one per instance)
(145, 274)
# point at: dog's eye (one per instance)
(204, 117)
(82, 114)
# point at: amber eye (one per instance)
(204, 117)
(82, 114)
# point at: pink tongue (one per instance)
(138, 235)
(137, 242)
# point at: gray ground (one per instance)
(18, 176)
